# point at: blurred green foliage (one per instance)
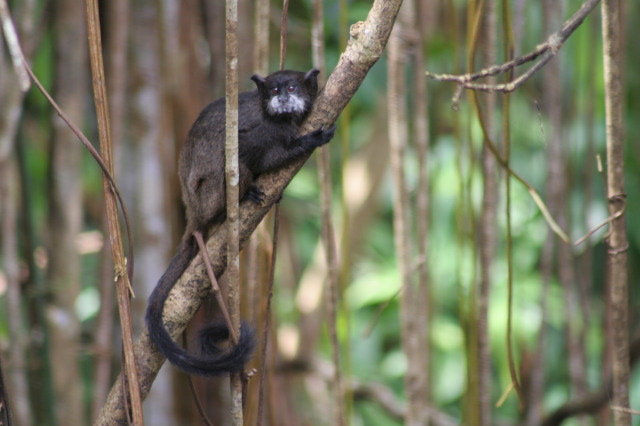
(374, 281)
(375, 278)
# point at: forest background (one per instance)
(423, 324)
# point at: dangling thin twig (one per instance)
(544, 51)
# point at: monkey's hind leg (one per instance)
(215, 288)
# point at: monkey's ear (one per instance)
(260, 81)
(312, 74)
(311, 81)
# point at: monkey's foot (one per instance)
(254, 194)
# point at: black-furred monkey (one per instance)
(269, 120)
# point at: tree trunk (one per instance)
(65, 207)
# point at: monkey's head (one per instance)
(287, 95)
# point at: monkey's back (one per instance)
(202, 159)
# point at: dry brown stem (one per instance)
(122, 279)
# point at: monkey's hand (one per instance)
(318, 137)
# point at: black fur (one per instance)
(268, 139)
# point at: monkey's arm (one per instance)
(280, 155)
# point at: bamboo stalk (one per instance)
(618, 244)
(487, 229)
(328, 231)
(232, 192)
(398, 135)
(12, 109)
(256, 291)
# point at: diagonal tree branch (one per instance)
(368, 40)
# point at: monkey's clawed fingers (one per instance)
(319, 136)
(330, 131)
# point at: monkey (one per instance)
(269, 122)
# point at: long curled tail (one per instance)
(214, 360)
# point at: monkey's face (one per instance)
(287, 94)
(286, 99)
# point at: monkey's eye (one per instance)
(275, 90)
(291, 88)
